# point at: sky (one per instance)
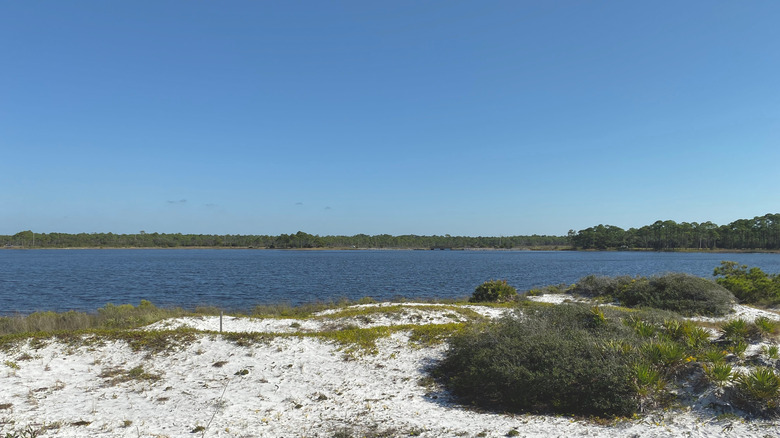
(401, 117)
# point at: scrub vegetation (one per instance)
(609, 361)
(493, 291)
(125, 316)
(576, 359)
(749, 285)
(554, 359)
(681, 293)
(583, 359)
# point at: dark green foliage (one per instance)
(493, 291)
(601, 286)
(766, 327)
(758, 391)
(681, 293)
(553, 359)
(298, 240)
(760, 232)
(718, 373)
(736, 330)
(748, 285)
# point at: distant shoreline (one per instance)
(289, 249)
(519, 249)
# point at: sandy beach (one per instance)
(290, 386)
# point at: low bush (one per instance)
(736, 330)
(493, 291)
(767, 327)
(553, 359)
(594, 286)
(552, 289)
(749, 285)
(718, 373)
(772, 352)
(758, 391)
(713, 355)
(681, 293)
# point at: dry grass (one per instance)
(125, 316)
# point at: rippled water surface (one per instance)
(238, 279)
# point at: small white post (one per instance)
(220, 321)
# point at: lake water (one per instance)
(239, 279)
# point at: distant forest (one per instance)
(28, 239)
(759, 233)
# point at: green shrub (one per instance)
(493, 291)
(738, 348)
(552, 289)
(643, 328)
(736, 330)
(759, 390)
(553, 359)
(647, 379)
(713, 355)
(597, 286)
(718, 373)
(766, 327)
(681, 293)
(665, 354)
(674, 328)
(748, 285)
(696, 337)
(771, 352)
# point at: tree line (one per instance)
(299, 240)
(761, 232)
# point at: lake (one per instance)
(59, 280)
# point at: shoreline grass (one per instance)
(128, 316)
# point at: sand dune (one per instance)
(288, 386)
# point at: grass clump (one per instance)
(758, 391)
(493, 291)
(765, 326)
(553, 359)
(125, 316)
(118, 375)
(26, 432)
(676, 292)
(151, 341)
(431, 334)
(354, 340)
(739, 329)
(772, 352)
(718, 373)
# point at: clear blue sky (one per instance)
(422, 117)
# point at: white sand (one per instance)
(745, 312)
(295, 387)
